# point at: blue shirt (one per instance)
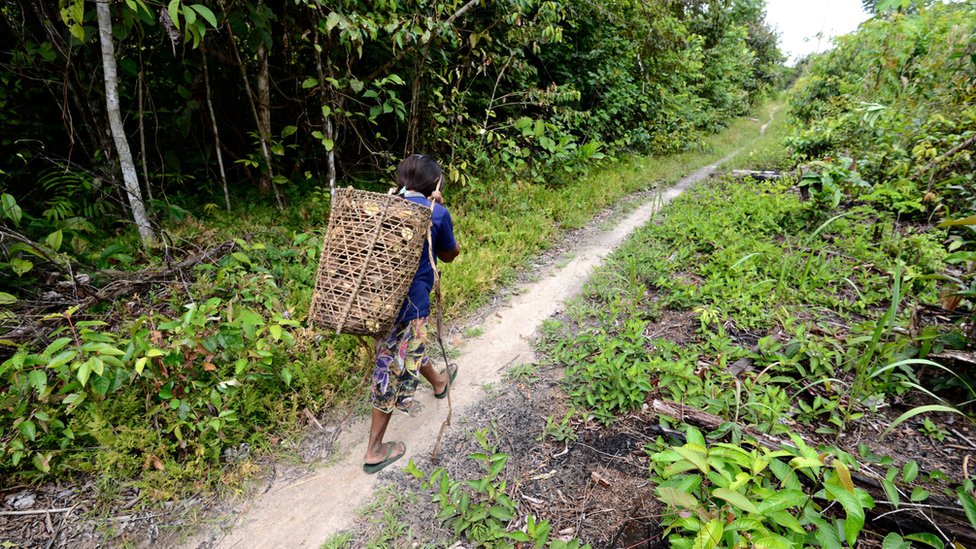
(417, 302)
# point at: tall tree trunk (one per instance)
(326, 108)
(264, 114)
(213, 123)
(129, 176)
(142, 134)
(265, 150)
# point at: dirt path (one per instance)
(305, 512)
(762, 130)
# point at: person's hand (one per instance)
(437, 197)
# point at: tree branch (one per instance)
(403, 53)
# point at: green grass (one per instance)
(341, 540)
(742, 258)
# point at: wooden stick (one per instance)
(34, 512)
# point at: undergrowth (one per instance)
(765, 279)
(782, 309)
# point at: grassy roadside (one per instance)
(747, 302)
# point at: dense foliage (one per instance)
(809, 313)
(742, 300)
(272, 93)
(889, 118)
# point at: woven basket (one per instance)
(369, 258)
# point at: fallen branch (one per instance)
(122, 283)
(951, 152)
(34, 512)
(41, 250)
(947, 514)
(762, 175)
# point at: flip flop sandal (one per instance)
(372, 468)
(454, 371)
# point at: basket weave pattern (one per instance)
(369, 258)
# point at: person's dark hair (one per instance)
(419, 173)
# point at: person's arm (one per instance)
(446, 247)
(448, 256)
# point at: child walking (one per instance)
(401, 355)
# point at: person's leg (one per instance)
(437, 380)
(384, 388)
(376, 451)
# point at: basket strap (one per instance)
(362, 273)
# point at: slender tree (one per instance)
(129, 176)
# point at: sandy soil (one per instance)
(304, 512)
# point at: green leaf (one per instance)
(286, 376)
(676, 498)
(968, 505)
(920, 410)
(694, 436)
(710, 535)
(787, 520)
(28, 429)
(84, 371)
(782, 500)
(54, 239)
(174, 12)
(309, 83)
(20, 266)
(241, 257)
(205, 12)
(331, 21)
(57, 345)
(62, 358)
(910, 472)
(805, 462)
(10, 209)
(746, 524)
(971, 220)
(501, 513)
(773, 541)
(852, 507)
(191, 18)
(288, 131)
(496, 468)
(7, 299)
(737, 499)
(73, 400)
(141, 364)
(892, 492)
(695, 455)
(329, 144)
(928, 539)
(919, 494)
(38, 380)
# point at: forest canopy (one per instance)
(223, 102)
